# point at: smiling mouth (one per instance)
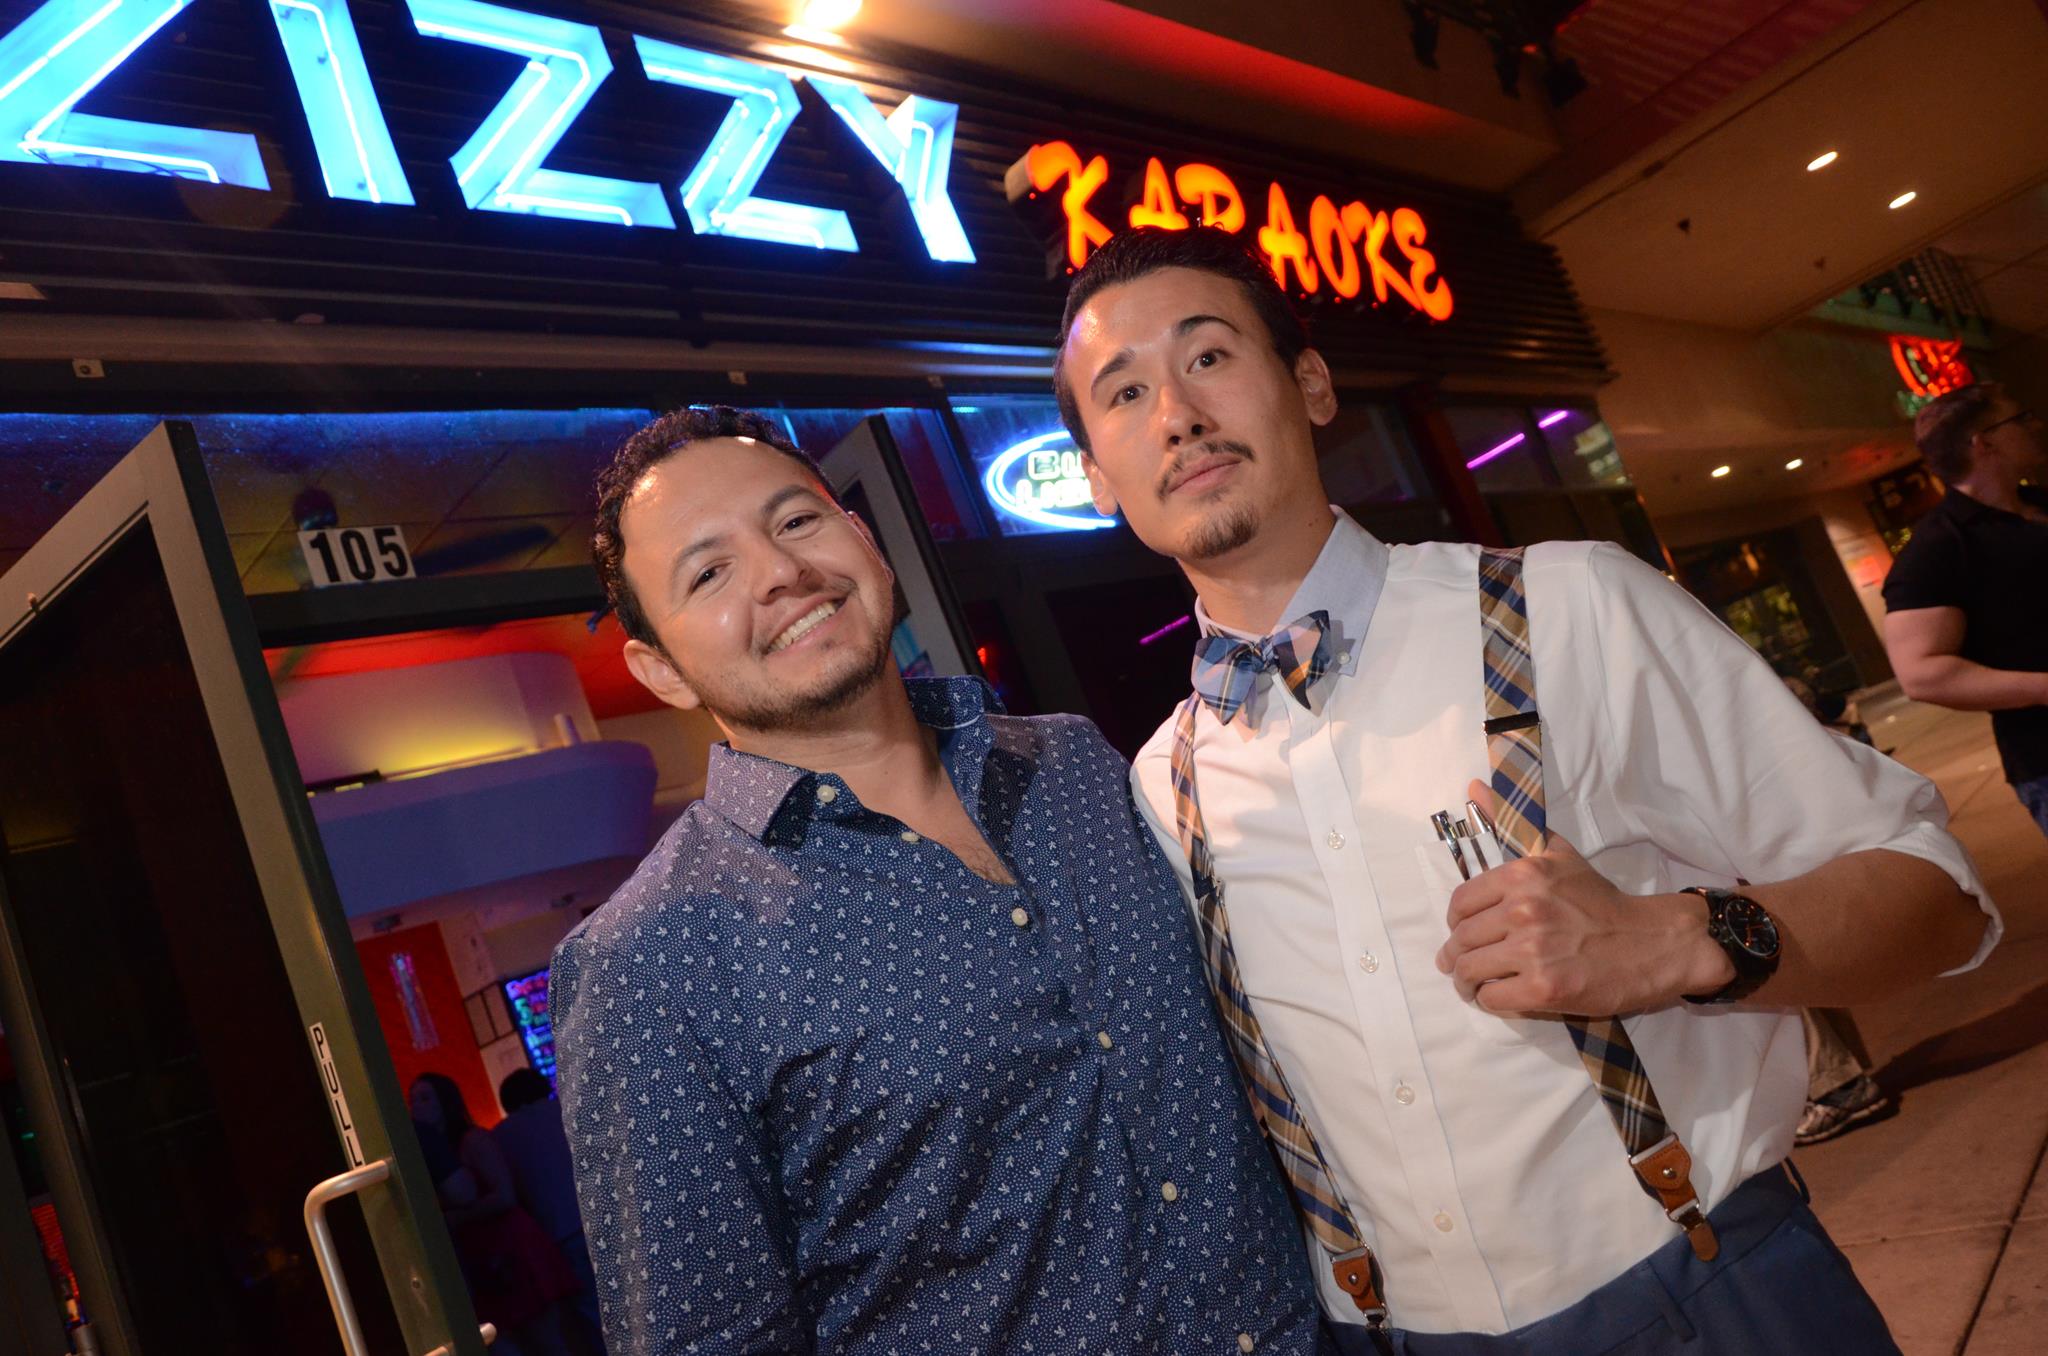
(803, 626)
(1202, 475)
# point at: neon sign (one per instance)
(67, 48)
(1930, 368)
(60, 54)
(1040, 480)
(1346, 248)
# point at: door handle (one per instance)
(317, 1201)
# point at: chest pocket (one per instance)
(1439, 878)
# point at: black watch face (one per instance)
(1751, 927)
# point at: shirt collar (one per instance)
(751, 790)
(1346, 581)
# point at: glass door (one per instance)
(868, 475)
(201, 1116)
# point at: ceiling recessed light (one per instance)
(1821, 162)
(1903, 199)
(1795, 463)
(1720, 471)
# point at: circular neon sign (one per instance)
(1040, 480)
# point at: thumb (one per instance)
(1554, 843)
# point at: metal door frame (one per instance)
(163, 481)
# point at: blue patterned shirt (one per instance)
(830, 1091)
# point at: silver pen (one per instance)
(1442, 822)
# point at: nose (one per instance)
(775, 569)
(1181, 417)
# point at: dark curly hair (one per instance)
(639, 454)
(1130, 255)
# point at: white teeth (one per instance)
(801, 627)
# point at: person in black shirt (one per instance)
(1966, 623)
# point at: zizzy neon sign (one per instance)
(67, 48)
(1345, 247)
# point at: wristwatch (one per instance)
(1745, 930)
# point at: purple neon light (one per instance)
(1555, 416)
(1490, 453)
(1173, 625)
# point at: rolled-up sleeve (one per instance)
(676, 1188)
(1714, 760)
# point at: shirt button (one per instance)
(1369, 963)
(1245, 1343)
(1335, 840)
(1102, 1039)
(1404, 1094)
(1020, 917)
(1443, 1222)
(910, 837)
(1169, 1191)
(827, 794)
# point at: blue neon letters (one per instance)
(356, 157)
(1040, 480)
(916, 146)
(499, 168)
(59, 54)
(65, 49)
(718, 194)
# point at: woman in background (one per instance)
(517, 1277)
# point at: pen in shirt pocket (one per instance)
(1467, 839)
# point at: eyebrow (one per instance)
(1186, 326)
(717, 539)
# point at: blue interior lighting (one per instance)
(1002, 482)
(60, 54)
(499, 168)
(357, 160)
(915, 145)
(718, 195)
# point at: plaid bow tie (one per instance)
(1226, 668)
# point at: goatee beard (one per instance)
(1220, 535)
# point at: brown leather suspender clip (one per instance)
(1353, 1272)
(1666, 1169)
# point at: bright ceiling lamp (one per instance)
(1795, 463)
(1720, 471)
(1821, 162)
(1902, 199)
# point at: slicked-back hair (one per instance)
(1947, 423)
(644, 451)
(1132, 254)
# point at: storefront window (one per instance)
(920, 438)
(1027, 468)
(1582, 449)
(1552, 473)
(1372, 472)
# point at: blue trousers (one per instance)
(2034, 795)
(1779, 1287)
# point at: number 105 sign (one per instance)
(355, 555)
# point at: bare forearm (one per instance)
(1953, 681)
(1860, 927)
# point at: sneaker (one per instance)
(1857, 1102)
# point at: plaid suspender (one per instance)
(1514, 746)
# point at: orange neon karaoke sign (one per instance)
(1345, 251)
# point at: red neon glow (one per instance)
(1158, 208)
(1344, 245)
(1211, 189)
(1283, 244)
(1056, 160)
(1930, 367)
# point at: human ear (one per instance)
(1318, 389)
(655, 673)
(1099, 492)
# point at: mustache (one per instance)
(1207, 448)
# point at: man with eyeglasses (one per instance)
(1965, 626)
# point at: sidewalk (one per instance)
(1943, 1209)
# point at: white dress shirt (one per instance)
(1482, 1166)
